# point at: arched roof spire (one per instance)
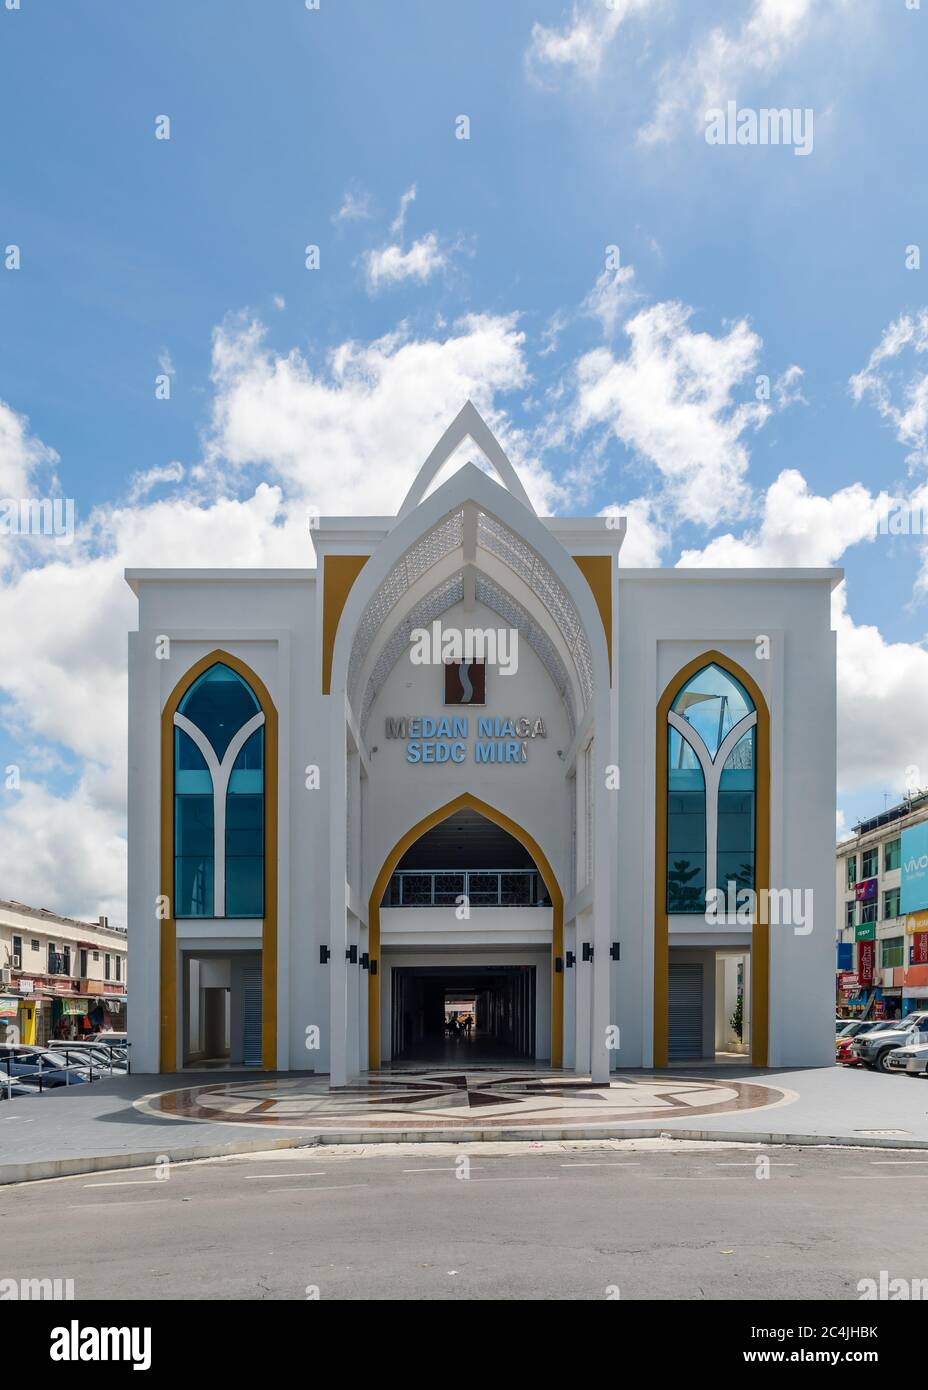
(467, 424)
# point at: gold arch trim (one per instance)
(760, 931)
(597, 571)
(168, 981)
(338, 575)
(380, 887)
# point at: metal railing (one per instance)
(72, 1053)
(481, 888)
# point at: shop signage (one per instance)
(445, 739)
(865, 931)
(9, 1008)
(913, 880)
(865, 892)
(916, 922)
(918, 953)
(865, 955)
(847, 981)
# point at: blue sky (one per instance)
(447, 267)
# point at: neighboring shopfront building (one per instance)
(882, 922)
(59, 978)
(338, 830)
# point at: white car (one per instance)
(912, 1058)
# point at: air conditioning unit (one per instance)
(6, 975)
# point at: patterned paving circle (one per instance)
(449, 1100)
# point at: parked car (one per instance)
(848, 1027)
(843, 1043)
(95, 1057)
(34, 1063)
(872, 1049)
(912, 1058)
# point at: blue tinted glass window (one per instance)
(686, 828)
(219, 703)
(245, 831)
(193, 830)
(712, 702)
(736, 817)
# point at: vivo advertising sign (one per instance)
(914, 877)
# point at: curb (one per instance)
(107, 1163)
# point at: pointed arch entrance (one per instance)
(168, 990)
(467, 801)
(760, 930)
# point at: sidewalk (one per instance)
(111, 1125)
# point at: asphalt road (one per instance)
(637, 1220)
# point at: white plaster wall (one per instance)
(271, 625)
(667, 618)
(535, 794)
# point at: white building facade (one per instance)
(329, 834)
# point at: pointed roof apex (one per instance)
(467, 424)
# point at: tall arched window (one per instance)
(219, 798)
(711, 812)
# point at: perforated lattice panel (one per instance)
(516, 616)
(440, 599)
(500, 541)
(420, 557)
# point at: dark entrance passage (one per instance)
(431, 1006)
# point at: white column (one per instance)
(338, 914)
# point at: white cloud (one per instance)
(349, 439)
(671, 400)
(21, 454)
(141, 484)
(356, 206)
(398, 225)
(581, 43)
(389, 265)
(66, 853)
(901, 400)
(718, 65)
(882, 725)
(646, 538)
(797, 528)
(611, 296)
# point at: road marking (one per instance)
(269, 1177)
(126, 1182)
(533, 1177)
(142, 1202)
(340, 1187)
(473, 1166)
(623, 1164)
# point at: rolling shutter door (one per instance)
(251, 1015)
(685, 1011)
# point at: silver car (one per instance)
(912, 1059)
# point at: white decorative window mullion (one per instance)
(219, 772)
(712, 769)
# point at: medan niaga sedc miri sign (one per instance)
(442, 739)
(472, 701)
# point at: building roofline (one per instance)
(45, 914)
(136, 577)
(780, 575)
